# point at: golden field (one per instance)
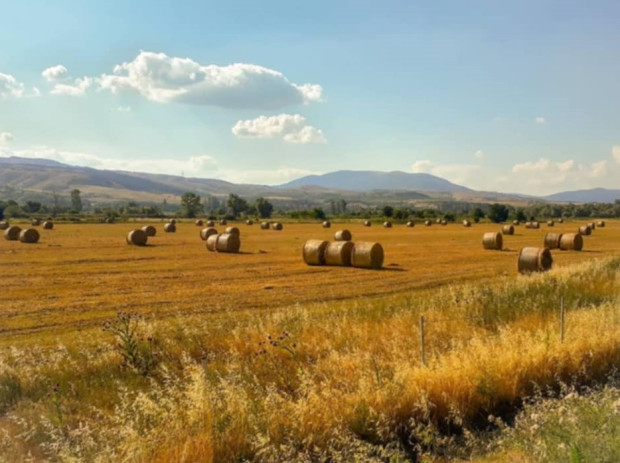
(345, 382)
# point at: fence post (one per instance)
(422, 352)
(562, 319)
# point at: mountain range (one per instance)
(39, 179)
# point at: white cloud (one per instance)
(615, 153)
(123, 109)
(479, 154)
(78, 88)
(540, 120)
(422, 167)
(9, 86)
(165, 79)
(292, 128)
(6, 138)
(461, 174)
(55, 73)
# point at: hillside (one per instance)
(595, 195)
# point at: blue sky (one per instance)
(507, 96)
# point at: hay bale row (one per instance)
(137, 237)
(532, 259)
(225, 242)
(150, 230)
(205, 233)
(585, 230)
(343, 253)
(276, 226)
(343, 235)
(552, 240)
(571, 242)
(492, 240)
(29, 235)
(4, 224)
(533, 225)
(508, 230)
(12, 233)
(170, 227)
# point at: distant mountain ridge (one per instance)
(365, 180)
(594, 195)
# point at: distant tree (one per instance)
(236, 205)
(32, 207)
(520, 215)
(190, 204)
(264, 208)
(449, 217)
(388, 211)
(319, 213)
(477, 214)
(498, 213)
(76, 200)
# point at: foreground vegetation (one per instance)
(327, 381)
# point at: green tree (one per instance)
(264, 208)
(236, 205)
(190, 204)
(388, 211)
(318, 213)
(76, 200)
(498, 213)
(477, 214)
(32, 206)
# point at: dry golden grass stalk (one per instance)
(205, 233)
(137, 237)
(492, 240)
(150, 230)
(12, 233)
(170, 227)
(508, 230)
(232, 231)
(29, 235)
(367, 255)
(533, 259)
(571, 242)
(276, 226)
(552, 240)
(314, 252)
(387, 224)
(327, 224)
(585, 230)
(48, 225)
(338, 253)
(343, 235)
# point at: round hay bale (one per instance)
(4, 224)
(528, 224)
(387, 224)
(232, 231)
(223, 222)
(172, 221)
(535, 224)
(438, 221)
(150, 230)
(367, 223)
(199, 223)
(428, 223)
(343, 235)
(48, 225)
(137, 237)
(552, 240)
(205, 233)
(109, 220)
(466, 223)
(516, 222)
(560, 220)
(210, 223)
(532, 225)
(228, 242)
(492, 240)
(592, 226)
(327, 224)
(314, 252)
(36, 222)
(367, 255)
(600, 224)
(410, 224)
(443, 222)
(508, 230)
(533, 259)
(550, 223)
(264, 226)
(29, 235)
(276, 226)
(170, 227)
(338, 253)
(571, 242)
(12, 233)
(585, 230)
(249, 222)
(212, 242)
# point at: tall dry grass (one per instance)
(325, 382)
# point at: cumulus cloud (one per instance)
(77, 88)
(6, 138)
(540, 120)
(165, 79)
(55, 73)
(461, 174)
(10, 87)
(615, 152)
(292, 128)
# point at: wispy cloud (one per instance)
(166, 79)
(479, 154)
(540, 120)
(77, 88)
(6, 138)
(291, 128)
(55, 73)
(11, 87)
